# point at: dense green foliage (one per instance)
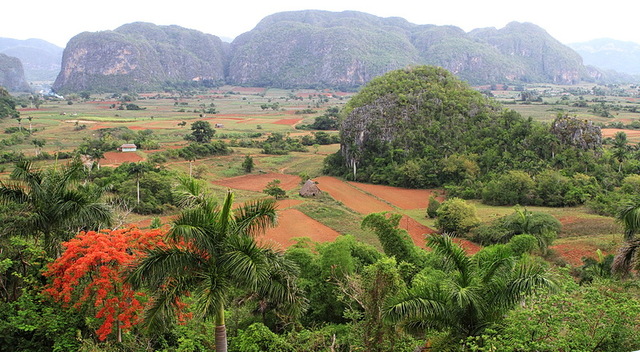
(7, 104)
(578, 318)
(455, 216)
(201, 132)
(422, 128)
(53, 204)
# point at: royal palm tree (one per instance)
(471, 294)
(212, 252)
(54, 206)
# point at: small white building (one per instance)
(128, 147)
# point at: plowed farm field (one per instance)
(258, 182)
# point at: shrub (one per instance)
(433, 206)
(455, 215)
(511, 188)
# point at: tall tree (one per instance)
(53, 205)
(201, 132)
(211, 252)
(620, 148)
(90, 275)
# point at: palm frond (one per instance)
(225, 214)
(415, 308)
(197, 227)
(256, 217)
(629, 216)
(13, 192)
(468, 297)
(210, 295)
(245, 261)
(528, 276)
(453, 254)
(166, 266)
(191, 192)
(627, 257)
(24, 171)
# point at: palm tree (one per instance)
(213, 251)
(471, 294)
(627, 256)
(53, 204)
(620, 148)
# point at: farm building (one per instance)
(310, 189)
(128, 147)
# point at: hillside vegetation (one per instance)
(359, 266)
(314, 49)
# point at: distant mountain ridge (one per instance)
(41, 60)
(610, 54)
(349, 48)
(316, 49)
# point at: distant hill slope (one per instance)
(40, 59)
(139, 56)
(12, 74)
(610, 54)
(303, 48)
(315, 48)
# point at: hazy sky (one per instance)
(566, 20)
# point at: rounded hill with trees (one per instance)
(423, 127)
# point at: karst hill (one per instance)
(314, 49)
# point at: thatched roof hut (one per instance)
(310, 189)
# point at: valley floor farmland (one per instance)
(242, 114)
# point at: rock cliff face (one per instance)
(307, 48)
(314, 49)
(139, 56)
(12, 74)
(317, 48)
(542, 58)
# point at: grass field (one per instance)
(343, 205)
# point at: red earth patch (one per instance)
(351, 196)
(293, 223)
(403, 198)
(117, 158)
(258, 182)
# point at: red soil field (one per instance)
(288, 203)
(418, 233)
(403, 198)
(416, 230)
(289, 122)
(226, 117)
(116, 158)
(351, 196)
(294, 223)
(610, 132)
(573, 253)
(259, 181)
